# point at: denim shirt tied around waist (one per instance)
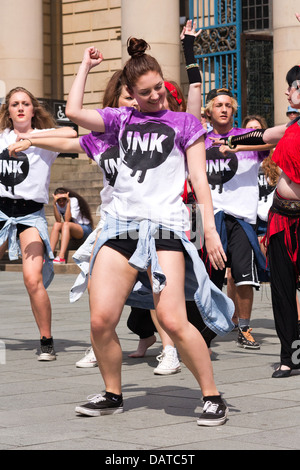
(215, 307)
(9, 232)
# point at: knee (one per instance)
(170, 323)
(101, 324)
(33, 283)
(56, 227)
(65, 227)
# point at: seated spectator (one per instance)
(73, 220)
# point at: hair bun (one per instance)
(137, 47)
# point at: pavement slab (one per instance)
(37, 400)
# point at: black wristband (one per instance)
(188, 48)
(250, 138)
(192, 66)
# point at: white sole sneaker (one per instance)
(168, 362)
(46, 357)
(82, 410)
(89, 359)
(99, 405)
(213, 415)
(159, 371)
(84, 365)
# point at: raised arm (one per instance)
(87, 118)
(274, 134)
(257, 137)
(194, 100)
(66, 131)
(54, 144)
(197, 170)
(56, 212)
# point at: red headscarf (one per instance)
(173, 91)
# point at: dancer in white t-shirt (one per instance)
(155, 147)
(233, 178)
(24, 185)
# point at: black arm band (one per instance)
(250, 138)
(192, 66)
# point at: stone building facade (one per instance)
(49, 37)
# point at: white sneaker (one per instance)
(168, 362)
(89, 360)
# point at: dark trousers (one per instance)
(140, 322)
(283, 290)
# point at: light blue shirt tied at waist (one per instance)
(9, 232)
(82, 258)
(215, 307)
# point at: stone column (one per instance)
(286, 51)
(21, 45)
(157, 22)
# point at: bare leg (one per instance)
(110, 284)
(54, 235)
(32, 249)
(165, 338)
(69, 230)
(244, 301)
(171, 313)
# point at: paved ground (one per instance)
(37, 400)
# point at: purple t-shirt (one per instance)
(153, 170)
(233, 178)
(104, 149)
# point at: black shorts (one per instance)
(126, 243)
(240, 255)
(18, 208)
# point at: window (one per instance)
(255, 15)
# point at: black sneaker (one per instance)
(213, 414)
(99, 405)
(245, 339)
(47, 352)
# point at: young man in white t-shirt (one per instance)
(233, 181)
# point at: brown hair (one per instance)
(113, 90)
(173, 103)
(83, 205)
(255, 117)
(42, 119)
(270, 169)
(139, 63)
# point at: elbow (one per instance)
(71, 113)
(73, 133)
